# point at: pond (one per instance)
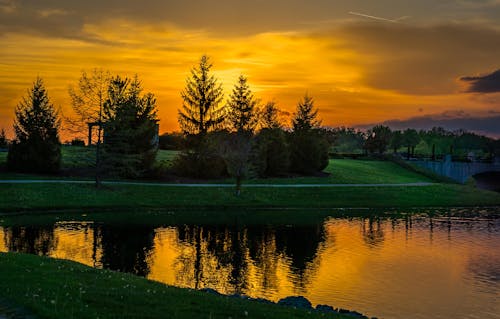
(414, 266)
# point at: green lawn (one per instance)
(82, 156)
(348, 171)
(52, 288)
(17, 197)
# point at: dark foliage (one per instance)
(271, 155)
(77, 142)
(202, 158)
(37, 147)
(201, 111)
(4, 143)
(241, 115)
(130, 129)
(308, 145)
(378, 139)
(172, 141)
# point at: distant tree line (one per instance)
(433, 143)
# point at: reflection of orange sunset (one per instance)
(352, 264)
(359, 71)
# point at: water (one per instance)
(418, 267)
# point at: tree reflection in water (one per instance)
(38, 240)
(126, 247)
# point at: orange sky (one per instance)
(359, 70)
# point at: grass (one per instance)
(52, 288)
(348, 171)
(19, 197)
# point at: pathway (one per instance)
(60, 181)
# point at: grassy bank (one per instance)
(18, 197)
(51, 288)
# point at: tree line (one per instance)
(237, 137)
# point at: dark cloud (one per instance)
(483, 125)
(489, 83)
(68, 18)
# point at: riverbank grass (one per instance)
(26, 197)
(53, 288)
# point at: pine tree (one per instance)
(201, 110)
(241, 108)
(269, 116)
(37, 147)
(4, 143)
(130, 138)
(305, 117)
(308, 145)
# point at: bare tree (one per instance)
(88, 98)
(235, 150)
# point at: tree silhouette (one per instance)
(37, 147)
(305, 117)
(378, 139)
(130, 118)
(201, 110)
(396, 141)
(410, 140)
(308, 146)
(269, 116)
(87, 100)
(241, 107)
(4, 143)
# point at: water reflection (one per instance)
(414, 266)
(31, 239)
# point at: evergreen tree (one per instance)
(308, 145)
(305, 117)
(201, 110)
(131, 134)
(36, 147)
(4, 143)
(269, 116)
(241, 108)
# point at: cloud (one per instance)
(489, 83)
(420, 60)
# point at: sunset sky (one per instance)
(363, 62)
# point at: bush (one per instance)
(271, 155)
(202, 160)
(77, 142)
(308, 152)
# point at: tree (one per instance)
(305, 117)
(396, 141)
(410, 140)
(131, 134)
(308, 146)
(36, 147)
(235, 150)
(271, 155)
(268, 116)
(4, 143)
(241, 115)
(87, 101)
(378, 139)
(201, 110)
